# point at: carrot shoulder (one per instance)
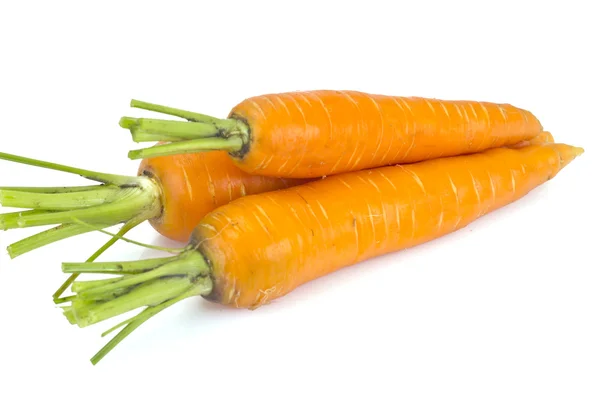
(258, 248)
(326, 132)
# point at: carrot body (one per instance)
(262, 247)
(192, 185)
(317, 133)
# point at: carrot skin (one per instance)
(326, 132)
(262, 247)
(192, 185)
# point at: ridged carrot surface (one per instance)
(315, 133)
(192, 185)
(262, 247)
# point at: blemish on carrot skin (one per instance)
(302, 197)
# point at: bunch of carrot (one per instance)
(288, 188)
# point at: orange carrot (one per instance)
(325, 132)
(172, 193)
(258, 248)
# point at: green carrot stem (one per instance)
(170, 269)
(45, 238)
(64, 300)
(189, 115)
(49, 189)
(154, 130)
(99, 292)
(117, 210)
(91, 175)
(10, 219)
(127, 267)
(231, 144)
(155, 284)
(82, 286)
(59, 201)
(120, 324)
(99, 298)
(71, 279)
(123, 238)
(203, 133)
(150, 293)
(135, 322)
(118, 200)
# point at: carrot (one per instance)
(173, 193)
(258, 248)
(325, 132)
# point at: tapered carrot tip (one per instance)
(568, 153)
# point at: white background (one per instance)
(507, 308)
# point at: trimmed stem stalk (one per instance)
(59, 201)
(176, 112)
(200, 133)
(155, 284)
(76, 210)
(118, 180)
(188, 146)
(154, 130)
(57, 189)
(116, 210)
(71, 279)
(47, 237)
